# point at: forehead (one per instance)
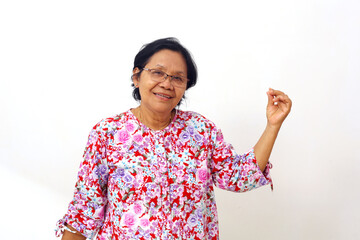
(168, 60)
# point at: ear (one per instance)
(136, 77)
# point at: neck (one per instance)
(153, 120)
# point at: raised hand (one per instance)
(279, 106)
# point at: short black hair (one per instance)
(148, 50)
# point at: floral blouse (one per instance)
(137, 183)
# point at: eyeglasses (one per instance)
(160, 76)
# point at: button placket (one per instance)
(161, 154)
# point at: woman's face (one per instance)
(161, 98)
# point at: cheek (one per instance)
(146, 85)
(146, 88)
(180, 93)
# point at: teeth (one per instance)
(162, 95)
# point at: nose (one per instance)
(167, 82)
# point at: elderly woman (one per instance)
(149, 173)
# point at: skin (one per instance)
(156, 111)
(72, 236)
(278, 107)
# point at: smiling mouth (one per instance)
(161, 95)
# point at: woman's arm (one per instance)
(87, 208)
(72, 236)
(279, 106)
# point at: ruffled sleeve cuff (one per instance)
(265, 178)
(61, 227)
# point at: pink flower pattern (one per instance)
(129, 220)
(138, 138)
(136, 183)
(144, 222)
(137, 209)
(202, 175)
(122, 136)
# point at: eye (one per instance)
(178, 79)
(157, 73)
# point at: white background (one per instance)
(65, 65)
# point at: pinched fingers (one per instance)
(279, 98)
(274, 92)
(282, 98)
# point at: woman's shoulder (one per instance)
(195, 118)
(115, 121)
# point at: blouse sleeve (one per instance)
(86, 211)
(234, 172)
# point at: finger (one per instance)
(274, 92)
(277, 93)
(270, 98)
(281, 98)
(284, 102)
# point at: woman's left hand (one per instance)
(279, 106)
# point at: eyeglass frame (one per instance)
(167, 75)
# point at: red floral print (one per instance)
(136, 183)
